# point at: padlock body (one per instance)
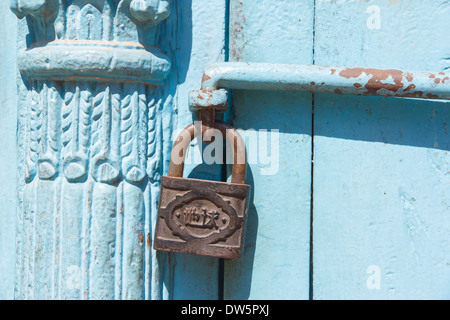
(201, 217)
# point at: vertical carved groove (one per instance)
(143, 131)
(108, 16)
(71, 240)
(134, 133)
(75, 130)
(97, 113)
(84, 122)
(106, 149)
(133, 242)
(70, 129)
(44, 280)
(119, 244)
(153, 144)
(134, 126)
(102, 242)
(28, 242)
(69, 117)
(54, 108)
(114, 139)
(92, 19)
(86, 227)
(33, 134)
(50, 104)
(157, 260)
(104, 196)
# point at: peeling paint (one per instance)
(375, 82)
(304, 78)
(237, 22)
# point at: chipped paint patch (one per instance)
(377, 79)
(237, 22)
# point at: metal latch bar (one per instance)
(324, 79)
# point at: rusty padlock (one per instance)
(203, 217)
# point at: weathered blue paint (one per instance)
(94, 137)
(324, 79)
(216, 99)
(201, 29)
(95, 132)
(330, 230)
(72, 60)
(275, 262)
(8, 151)
(381, 166)
(90, 122)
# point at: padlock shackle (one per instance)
(232, 136)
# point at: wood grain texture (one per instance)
(275, 264)
(381, 166)
(200, 40)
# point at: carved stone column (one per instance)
(92, 148)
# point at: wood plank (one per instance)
(200, 40)
(275, 263)
(381, 166)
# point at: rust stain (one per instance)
(149, 242)
(238, 20)
(410, 87)
(205, 78)
(437, 80)
(374, 84)
(357, 85)
(140, 236)
(207, 97)
(337, 91)
(445, 79)
(313, 83)
(89, 197)
(409, 77)
(333, 71)
(432, 96)
(416, 94)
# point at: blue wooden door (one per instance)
(350, 195)
(8, 160)
(359, 208)
(381, 166)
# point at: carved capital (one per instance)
(35, 8)
(150, 10)
(91, 69)
(94, 20)
(93, 40)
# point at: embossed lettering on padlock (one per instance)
(203, 217)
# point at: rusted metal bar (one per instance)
(229, 133)
(324, 79)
